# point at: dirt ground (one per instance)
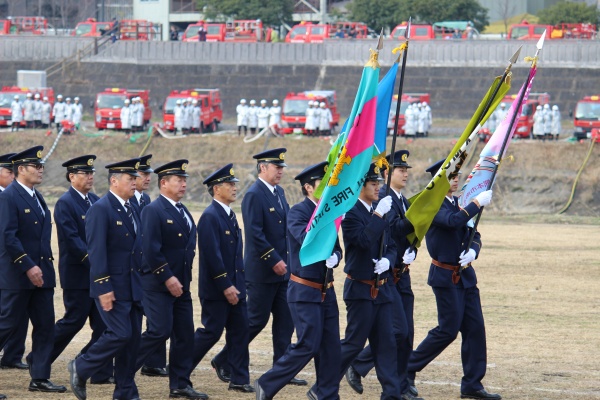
(539, 286)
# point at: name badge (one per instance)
(27, 211)
(119, 223)
(169, 221)
(227, 233)
(272, 209)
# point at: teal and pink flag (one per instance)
(385, 92)
(479, 179)
(349, 161)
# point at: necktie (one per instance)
(233, 219)
(276, 194)
(371, 210)
(182, 212)
(87, 201)
(142, 202)
(129, 211)
(402, 202)
(39, 204)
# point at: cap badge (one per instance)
(376, 169)
(90, 162)
(404, 157)
(39, 154)
(137, 165)
(282, 156)
(183, 166)
(231, 172)
(148, 162)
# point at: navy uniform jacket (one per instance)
(115, 251)
(399, 225)
(136, 205)
(265, 233)
(447, 237)
(362, 233)
(26, 236)
(298, 218)
(69, 217)
(169, 246)
(221, 261)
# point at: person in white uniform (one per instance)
(16, 114)
(28, 111)
(263, 115)
(325, 120)
(126, 115)
(309, 124)
(195, 116)
(252, 117)
(242, 117)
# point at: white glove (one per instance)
(381, 265)
(332, 261)
(384, 205)
(409, 256)
(467, 258)
(484, 198)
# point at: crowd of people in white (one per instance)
(257, 118)
(546, 121)
(318, 119)
(39, 113)
(132, 115)
(186, 116)
(417, 120)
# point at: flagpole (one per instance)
(515, 115)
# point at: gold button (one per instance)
(41, 258)
(35, 222)
(179, 235)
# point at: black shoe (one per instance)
(409, 396)
(222, 372)
(311, 394)
(77, 384)
(354, 380)
(260, 393)
(44, 385)
(107, 381)
(480, 394)
(187, 393)
(154, 371)
(17, 365)
(412, 389)
(297, 382)
(244, 388)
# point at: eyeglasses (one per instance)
(36, 166)
(87, 173)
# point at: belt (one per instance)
(311, 284)
(374, 290)
(453, 268)
(398, 273)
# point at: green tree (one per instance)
(569, 13)
(379, 14)
(270, 12)
(432, 11)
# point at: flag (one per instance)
(425, 205)
(385, 91)
(479, 179)
(346, 173)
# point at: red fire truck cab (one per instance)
(417, 32)
(308, 32)
(525, 121)
(407, 99)
(209, 100)
(5, 27)
(527, 31)
(293, 115)
(586, 117)
(7, 95)
(92, 28)
(107, 110)
(133, 29)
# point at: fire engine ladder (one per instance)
(90, 49)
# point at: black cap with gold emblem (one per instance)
(225, 174)
(312, 173)
(125, 167)
(29, 156)
(434, 168)
(177, 167)
(5, 160)
(373, 174)
(145, 164)
(400, 159)
(83, 163)
(273, 156)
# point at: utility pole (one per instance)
(323, 9)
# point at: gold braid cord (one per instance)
(381, 162)
(400, 49)
(373, 59)
(532, 60)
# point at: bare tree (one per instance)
(506, 9)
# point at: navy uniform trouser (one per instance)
(121, 341)
(79, 306)
(459, 310)
(15, 346)
(403, 328)
(40, 307)
(169, 317)
(265, 299)
(318, 331)
(368, 320)
(216, 316)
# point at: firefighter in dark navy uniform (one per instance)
(27, 277)
(456, 292)
(367, 294)
(74, 264)
(169, 245)
(221, 287)
(114, 239)
(264, 210)
(313, 305)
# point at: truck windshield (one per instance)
(83, 29)
(588, 111)
(170, 104)
(295, 107)
(6, 99)
(110, 101)
(519, 31)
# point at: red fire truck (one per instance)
(209, 100)
(293, 115)
(5, 26)
(407, 99)
(134, 29)
(308, 32)
(417, 32)
(92, 28)
(109, 102)
(587, 116)
(241, 30)
(24, 25)
(527, 31)
(525, 121)
(7, 95)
